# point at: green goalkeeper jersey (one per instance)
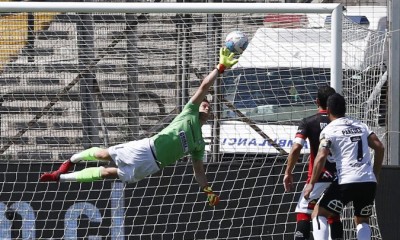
(181, 137)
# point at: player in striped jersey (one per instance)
(347, 140)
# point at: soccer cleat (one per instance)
(65, 166)
(50, 177)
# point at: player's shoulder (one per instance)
(190, 108)
(316, 118)
(359, 123)
(346, 122)
(309, 119)
(337, 125)
(363, 126)
(329, 129)
(191, 105)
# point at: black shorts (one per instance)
(336, 197)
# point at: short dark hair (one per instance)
(205, 100)
(337, 105)
(323, 94)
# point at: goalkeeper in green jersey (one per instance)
(137, 159)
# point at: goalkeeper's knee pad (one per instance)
(89, 174)
(86, 155)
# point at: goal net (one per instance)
(77, 77)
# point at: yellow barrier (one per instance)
(14, 33)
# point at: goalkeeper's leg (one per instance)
(86, 175)
(90, 174)
(91, 154)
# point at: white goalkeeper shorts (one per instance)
(135, 160)
(307, 206)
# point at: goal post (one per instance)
(81, 74)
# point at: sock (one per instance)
(86, 155)
(320, 228)
(303, 230)
(86, 175)
(68, 177)
(336, 227)
(363, 231)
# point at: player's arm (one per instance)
(199, 173)
(291, 162)
(294, 154)
(379, 152)
(201, 178)
(226, 61)
(319, 163)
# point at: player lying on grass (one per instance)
(137, 159)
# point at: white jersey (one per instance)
(348, 143)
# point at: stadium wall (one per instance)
(387, 201)
(166, 207)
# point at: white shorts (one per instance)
(307, 206)
(134, 159)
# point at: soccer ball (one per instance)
(236, 42)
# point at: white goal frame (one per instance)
(86, 7)
(117, 193)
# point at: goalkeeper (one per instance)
(137, 159)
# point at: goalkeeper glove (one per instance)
(212, 198)
(226, 60)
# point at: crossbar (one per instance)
(89, 7)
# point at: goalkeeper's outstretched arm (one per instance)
(201, 178)
(226, 61)
(199, 173)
